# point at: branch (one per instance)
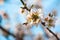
(7, 31)
(53, 33)
(25, 7)
(43, 23)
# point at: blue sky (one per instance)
(12, 9)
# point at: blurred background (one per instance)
(12, 7)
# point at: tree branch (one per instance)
(7, 31)
(25, 7)
(53, 33)
(43, 23)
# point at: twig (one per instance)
(43, 23)
(7, 31)
(53, 33)
(25, 7)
